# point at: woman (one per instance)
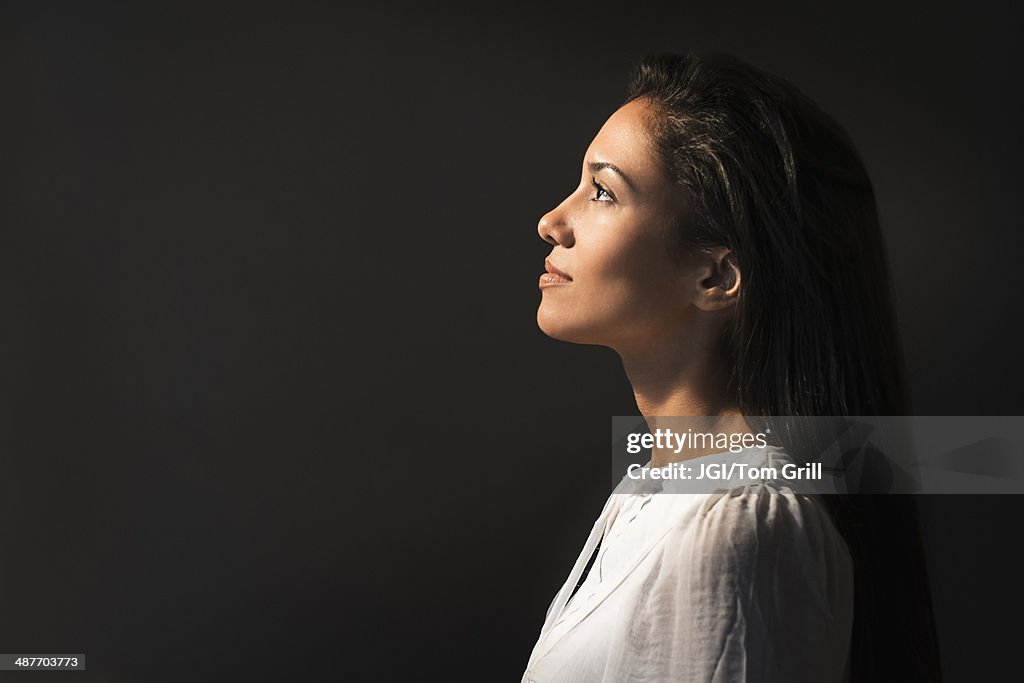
(724, 240)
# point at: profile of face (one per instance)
(616, 276)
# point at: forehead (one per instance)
(624, 141)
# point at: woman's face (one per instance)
(613, 237)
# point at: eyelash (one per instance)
(600, 188)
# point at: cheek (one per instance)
(621, 290)
(636, 267)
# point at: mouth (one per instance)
(553, 276)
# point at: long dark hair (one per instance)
(776, 180)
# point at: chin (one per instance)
(553, 326)
(557, 327)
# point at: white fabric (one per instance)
(753, 583)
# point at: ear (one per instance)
(718, 280)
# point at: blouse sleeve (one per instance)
(758, 588)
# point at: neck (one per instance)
(683, 379)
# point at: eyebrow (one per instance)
(596, 166)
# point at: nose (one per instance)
(553, 228)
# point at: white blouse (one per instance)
(752, 583)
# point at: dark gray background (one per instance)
(274, 402)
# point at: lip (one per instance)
(554, 276)
(552, 280)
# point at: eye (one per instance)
(600, 191)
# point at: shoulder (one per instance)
(745, 534)
(750, 514)
(758, 564)
(750, 584)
